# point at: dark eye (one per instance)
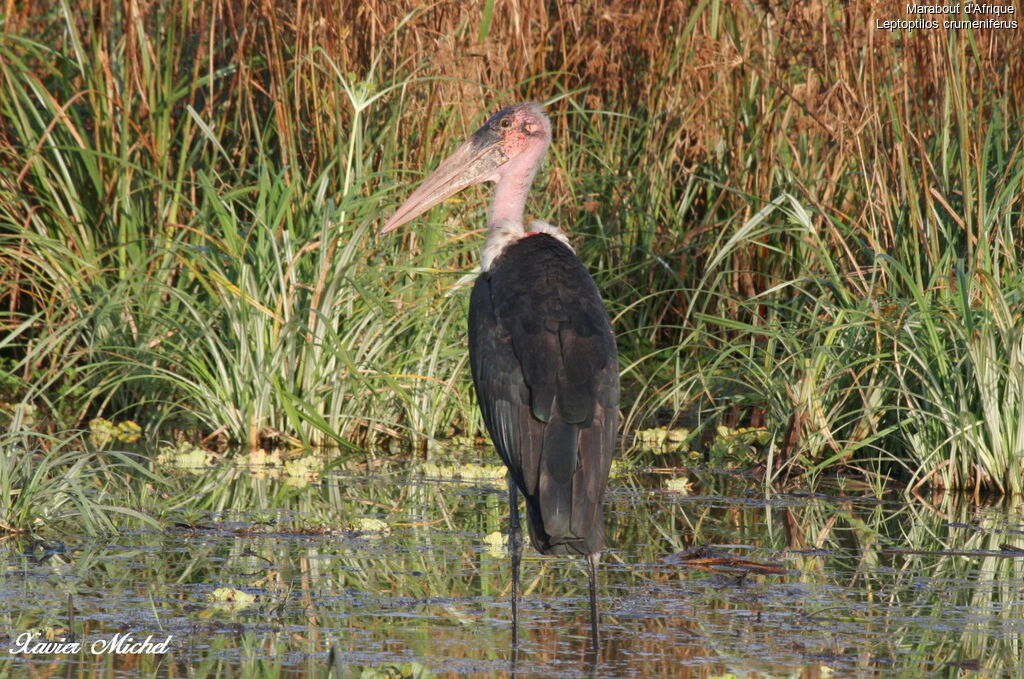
(505, 123)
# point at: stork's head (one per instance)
(510, 145)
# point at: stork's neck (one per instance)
(503, 234)
(505, 220)
(505, 223)
(513, 186)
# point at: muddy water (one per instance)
(389, 573)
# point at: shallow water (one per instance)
(870, 587)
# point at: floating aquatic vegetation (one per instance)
(466, 472)
(227, 600)
(622, 468)
(260, 463)
(680, 484)
(453, 444)
(185, 456)
(303, 471)
(496, 543)
(737, 447)
(664, 438)
(409, 670)
(103, 432)
(368, 526)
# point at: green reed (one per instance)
(189, 215)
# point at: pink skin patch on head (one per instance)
(514, 142)
(515, 138)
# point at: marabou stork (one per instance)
(541, 348)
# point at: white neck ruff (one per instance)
(505, 232)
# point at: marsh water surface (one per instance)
(385, 571)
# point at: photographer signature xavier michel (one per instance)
(30, 643)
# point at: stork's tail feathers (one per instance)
(545, 543)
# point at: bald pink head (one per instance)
(507, 149)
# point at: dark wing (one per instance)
(546, 373)
(498, 378)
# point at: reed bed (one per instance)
(799, 222)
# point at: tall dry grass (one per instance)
(774, 197)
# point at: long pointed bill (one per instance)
(472, 163)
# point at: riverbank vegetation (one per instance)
(802, 226)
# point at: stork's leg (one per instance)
(515, 548)
(595, 637)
